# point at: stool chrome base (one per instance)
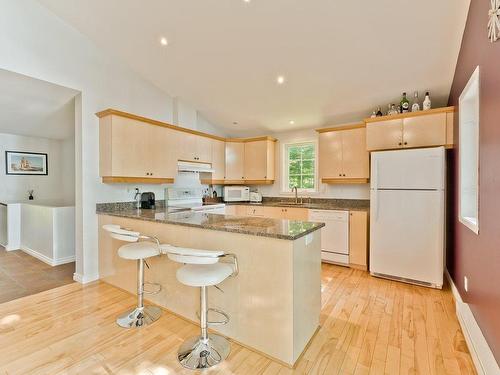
(194, 353)
(138, 317)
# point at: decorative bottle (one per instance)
(427, 102)
(415, 106)
(405, 104)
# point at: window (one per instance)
(300, 166)
(468, 148)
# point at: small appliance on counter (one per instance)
(236, 193)
(148, 201)
(255, 197)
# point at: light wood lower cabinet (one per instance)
(358, 226)
(358, 239)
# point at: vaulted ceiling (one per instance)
(340, 59)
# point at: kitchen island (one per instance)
(274, 303)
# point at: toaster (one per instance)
(255, 196)
(148, 201)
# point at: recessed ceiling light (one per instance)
(235, 122)
(292, 122)
(280, 80)
(246, 1)
(163, 41)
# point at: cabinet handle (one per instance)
(399, 144)
(406, 143)
(343, 175)
(340, 174)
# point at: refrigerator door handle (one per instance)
(375, 205)
(375, 175)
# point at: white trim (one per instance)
(46, 259)
(82, 279)
(471, 220)
(480, 351)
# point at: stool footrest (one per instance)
(154, 285)
(219, 322)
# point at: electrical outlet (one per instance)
(466, 283)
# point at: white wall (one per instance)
(36, 43)
(354, 191)
(56, 185)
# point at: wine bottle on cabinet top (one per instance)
(405, 104)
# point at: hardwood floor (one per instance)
(22, 275)
(368, 326)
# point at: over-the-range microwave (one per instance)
(236, 193)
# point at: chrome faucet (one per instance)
(296, 194)
(137, 198)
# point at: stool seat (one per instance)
(138, 250)
(199, 275)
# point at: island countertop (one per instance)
(255, 226)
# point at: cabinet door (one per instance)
(185, 146)
(203, 149)
(274, 212)
(358, 234)
(256, 159)
(218, 159)
(330, 155)
(130, 148)
(425, 130)
(162, 145)
(235, 160)
(384, 135)
(258, 211)
(355, 158)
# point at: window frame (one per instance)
(471, 222)
(285, 189)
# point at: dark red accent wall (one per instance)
(471, 255)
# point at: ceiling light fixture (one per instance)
(280, 80)
(246, 1)
(163, 41)
(292, 122)
(235, 122)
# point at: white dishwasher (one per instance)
(334, 235)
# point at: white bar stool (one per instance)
(141, 315)
(202, 269)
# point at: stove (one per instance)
(191, 199)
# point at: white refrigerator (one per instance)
(407, 213)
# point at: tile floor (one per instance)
(22, 275)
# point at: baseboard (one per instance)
(481, 354)
(84, 279)
(46, 259)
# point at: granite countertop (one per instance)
(315, 204)
(255, 226)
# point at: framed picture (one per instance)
(26, 163)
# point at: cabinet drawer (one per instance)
(255, 211)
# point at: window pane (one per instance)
(293, 181)
(293, 153)
(308, 182)
(308, 152)
(308, 167)
(294, 168)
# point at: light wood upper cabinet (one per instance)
(342, 155)
(384, 135)
(235, 156)
(358, 239)
(424, 131)
(410, 130)
(259, 160)
(132, 149)
(330, 154)
(355, 158)
(192, 147)
(218, 160)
